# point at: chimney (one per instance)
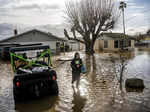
(15, 32)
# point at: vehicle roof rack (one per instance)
(27, 48)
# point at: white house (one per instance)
(34, 36)
(73, 45)
(114, 42)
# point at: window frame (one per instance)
(115, 44)
(121, 43)
(129, 43)
(105, 43)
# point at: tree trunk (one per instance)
(89, 48)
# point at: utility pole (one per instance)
(122, 6)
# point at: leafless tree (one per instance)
(89, 18)
(148, 32)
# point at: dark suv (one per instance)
(33, 74)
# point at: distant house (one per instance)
(143, 37)
(143, 44)
(34, 36)
(74, 45)
(114, 42)
(147, 37)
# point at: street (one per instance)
(98, 89)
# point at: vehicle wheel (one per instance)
(54, 89)
(17, 97)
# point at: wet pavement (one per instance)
(99, 89)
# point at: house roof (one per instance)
(118, 36)
(34, 30)
(145, 35)
(146, 41)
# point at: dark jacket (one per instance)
(76, 65)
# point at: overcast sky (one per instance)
(43, 12)
(137, 16)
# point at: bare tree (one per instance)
(148, 32)
(90, 18)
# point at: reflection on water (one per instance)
(43, 105)
(98, 89)
(138, 90)
(78, 101)
(91, 67)
(138, 67)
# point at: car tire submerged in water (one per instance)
(54, 88)
(17, 96)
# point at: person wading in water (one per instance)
(76, 65)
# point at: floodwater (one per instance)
(99, 90)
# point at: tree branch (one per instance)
(90, 18)
(69, 38)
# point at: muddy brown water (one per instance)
(98, 90)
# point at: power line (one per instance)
(131, 18)
(136, 15)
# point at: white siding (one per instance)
(74, 46)
(34, 37)
(52, 44)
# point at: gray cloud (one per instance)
(5, 2)
(48, 11)
(6, 12)
(36, 6)
(14, 8)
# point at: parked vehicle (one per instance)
(33, 74)
(5, 48)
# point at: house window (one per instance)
(126, 43)
(105, 44)
(121, 43)
(116, 44)
(57, 44)
(129, 43)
